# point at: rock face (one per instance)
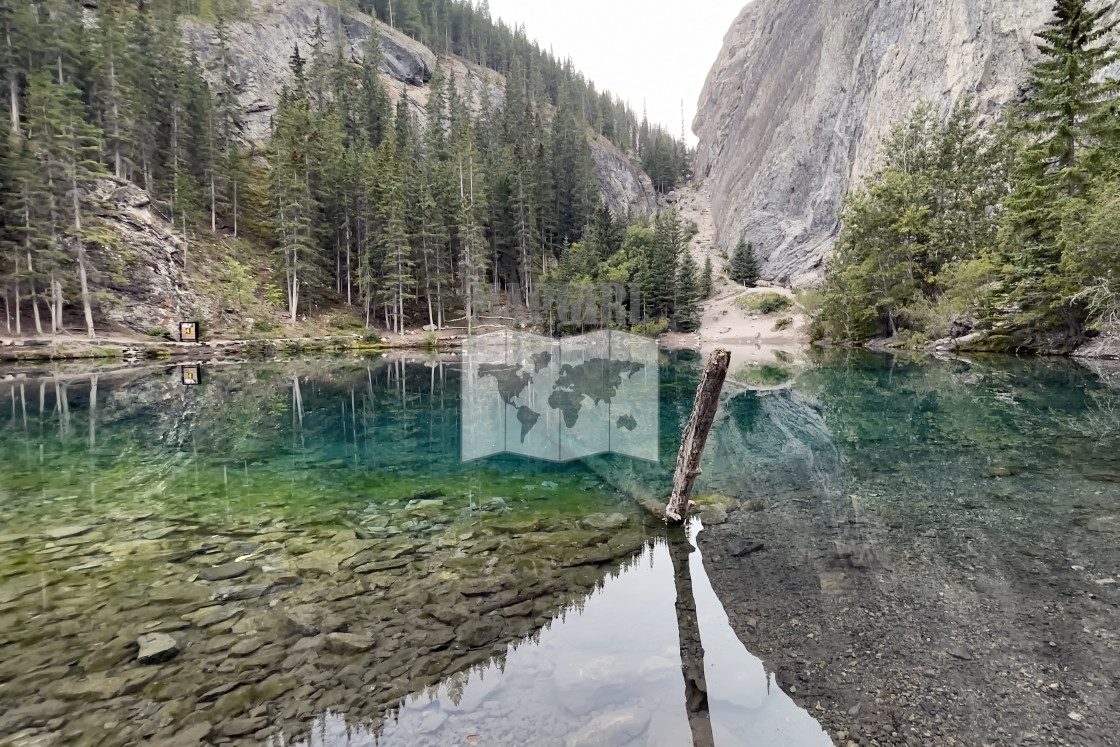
(140, 280)
(261, 70)
(803, 92)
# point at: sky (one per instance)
(656, 51)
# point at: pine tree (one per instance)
(706, 279)
(68, 148)
(293, 202)
(1062, 122)
(376, 113)
(744, 268)
(688, 295)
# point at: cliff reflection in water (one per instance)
(608, 671)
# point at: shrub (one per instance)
(764, 303)
(159, 332)
(274, 295)
(264, 327)
(653, 328)
(782, 324)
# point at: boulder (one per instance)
(225, 572)
(156, 648)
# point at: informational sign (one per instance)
(192, 375)
(188, 331)
(560, 400)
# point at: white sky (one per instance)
(659, 51)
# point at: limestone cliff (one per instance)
(262, 44)
(803, 92)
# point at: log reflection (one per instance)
(692, 649)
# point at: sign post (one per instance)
(188, 332)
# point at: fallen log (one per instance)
(696, 435)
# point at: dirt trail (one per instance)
(751, 336)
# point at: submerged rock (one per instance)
(225, 572)
(92, 689)
(613, 728)
(312, 619)
(348, 643)
(604, 522)
(156, 648)
(69, 531)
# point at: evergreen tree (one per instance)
(68, 149)
(706, 279)
(688, 295)
(744, 268)
(1066, 125)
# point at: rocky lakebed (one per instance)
(889, 551)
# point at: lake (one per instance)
(307, 552)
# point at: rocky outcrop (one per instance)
(625, 188)
(803, 92)
(261, 45)
(141, 283)
(1105, 347)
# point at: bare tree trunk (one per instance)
(19, 326)
(692, 648)
(34, 297)
(93, 411)
(83, 274)
(83, 278)
(35, 310)
(696, 435)
(349, 269)
(56, 307)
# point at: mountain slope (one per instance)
(261, 44)
(803, 92)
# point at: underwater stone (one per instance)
(348, 643)
(604, 522)
(225, 572)
(156, 648)
(68, 531)
(616, 727)
(311, 619)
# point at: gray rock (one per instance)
(604, 522)
(68, 531)
(312, 619)
(239, 593)
(478, 633)
(240, 727)
(225, 572)
(612, 728)
(216, 615)
(348, 643)
(191, 735)
(804, 91)
(91, 690)
(743, 548)
(1104, 524)
(156, 648)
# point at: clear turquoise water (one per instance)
(283, 462)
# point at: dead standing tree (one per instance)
(696, 435)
